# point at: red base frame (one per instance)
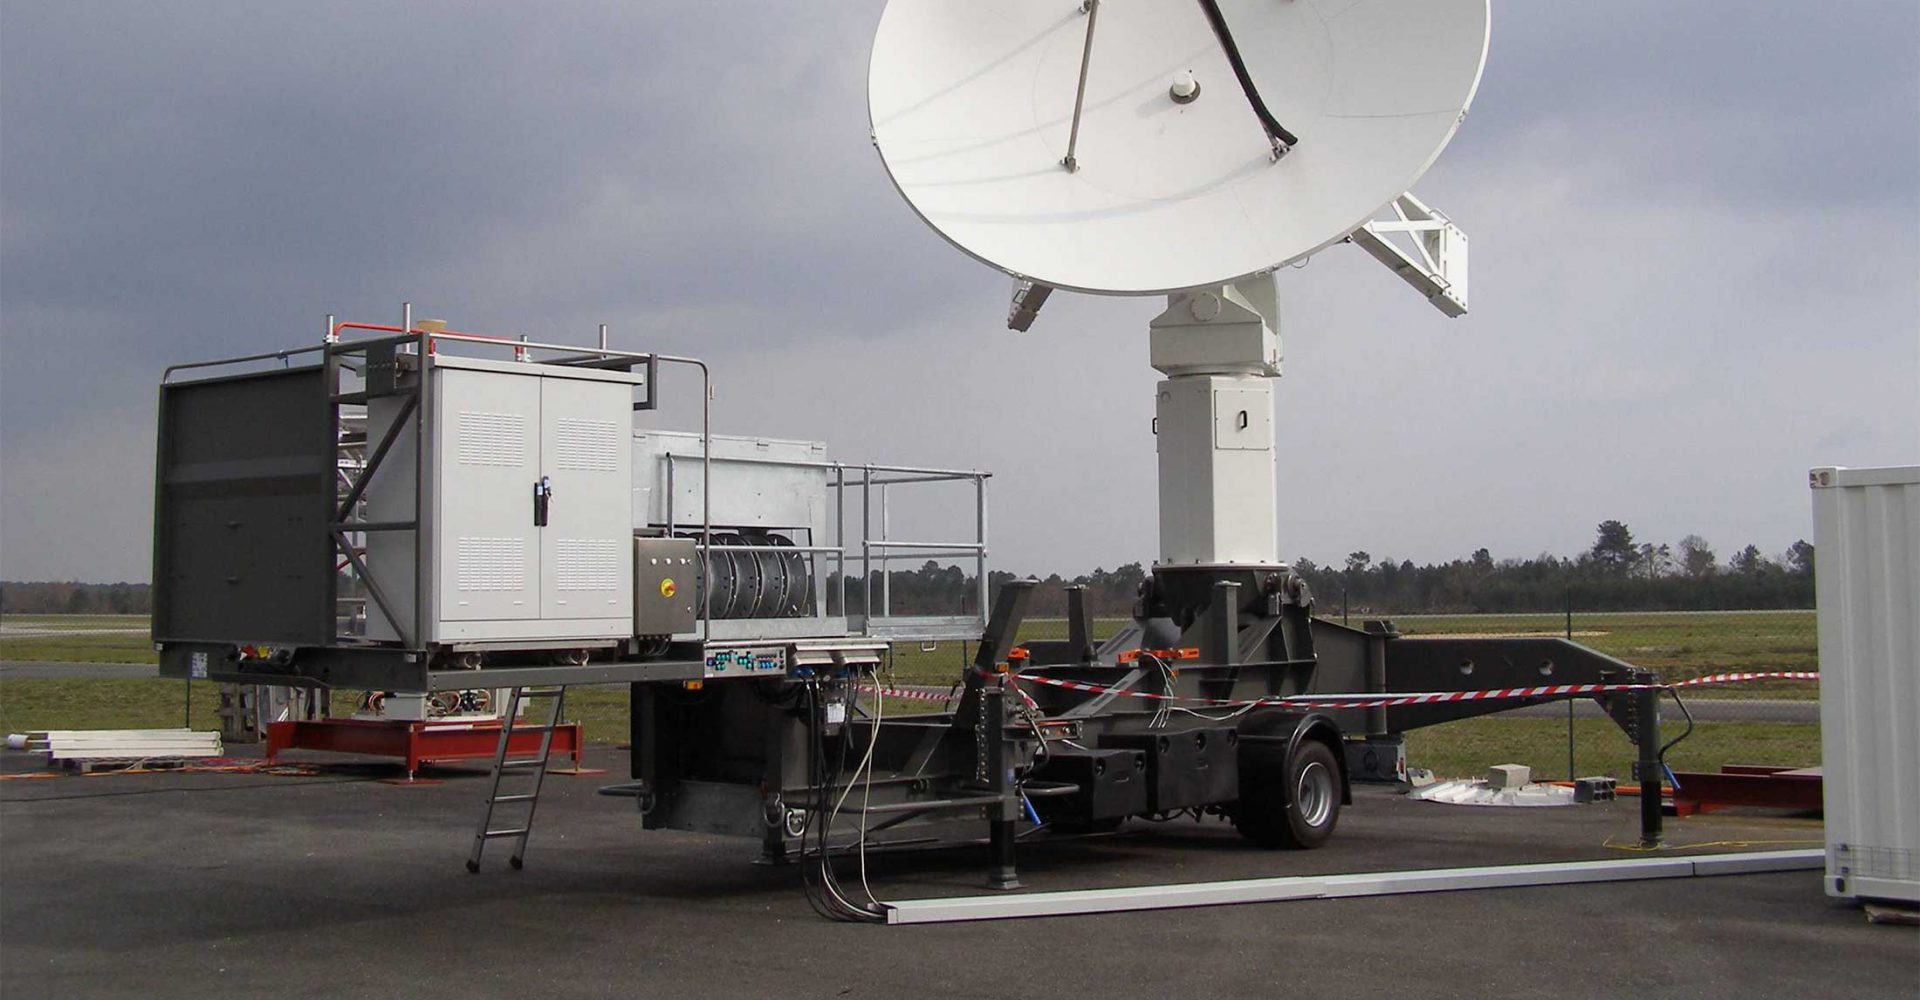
(1798, 789)
(416, 743)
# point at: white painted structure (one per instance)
(502, 431)
(974, 104)
(1213, 426)
(1144, 149)
(1866, 536)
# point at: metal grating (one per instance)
(1874, 862)
(491, 564)
(587, 564)
(492, 438)
(587, 445)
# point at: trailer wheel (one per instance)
(1288, 801)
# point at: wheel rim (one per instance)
(1313, 793)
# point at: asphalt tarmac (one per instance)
(336, 885)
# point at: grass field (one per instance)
(1677, 645)
(76, 638)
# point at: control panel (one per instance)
(666, 574)
(746, 661)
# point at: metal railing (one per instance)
(348, 360)
(875, 546)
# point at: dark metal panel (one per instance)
(1112, 784)
(616, 672)
(244, 487)
(393, 669)
(359, 668)
(1466, 664)
(1190, 767)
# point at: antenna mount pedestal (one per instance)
(1213, 425)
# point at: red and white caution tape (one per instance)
(1372, 701)
(1775, 675)
(1425, 697)
(1442, 697)
(943, 697)
(1102, 689)
(909, 694)
(1349, 700)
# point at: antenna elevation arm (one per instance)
(1277, 134)
(1092, 10)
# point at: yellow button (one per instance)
(667, 588)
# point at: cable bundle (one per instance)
(824, 892)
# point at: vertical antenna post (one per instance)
(1092, 7)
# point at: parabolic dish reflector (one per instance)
(972, 104)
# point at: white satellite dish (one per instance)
(1170, 180)
(1188, 147)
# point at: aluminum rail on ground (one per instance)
(1002, 906)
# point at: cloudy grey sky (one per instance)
(1696, 252)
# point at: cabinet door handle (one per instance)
(1243, 420)
(542, 499)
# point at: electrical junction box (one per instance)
(666, 573)
(1866, 538)
(525, 515)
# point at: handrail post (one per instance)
(886, 565)
(840, 530)
(980, 558)
(422, 476)
(866, 546)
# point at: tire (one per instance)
(1291, 802)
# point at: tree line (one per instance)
(44, 597)
(1617, 573)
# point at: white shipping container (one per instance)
(1866, 535)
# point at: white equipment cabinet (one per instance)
(528, 534)
(1866, 533)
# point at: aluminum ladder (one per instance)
(504, 767)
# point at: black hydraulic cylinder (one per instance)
(1646, 733)
(991, 730)
(1002, 875)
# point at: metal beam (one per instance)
(1266, 890)
(1436, 267)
